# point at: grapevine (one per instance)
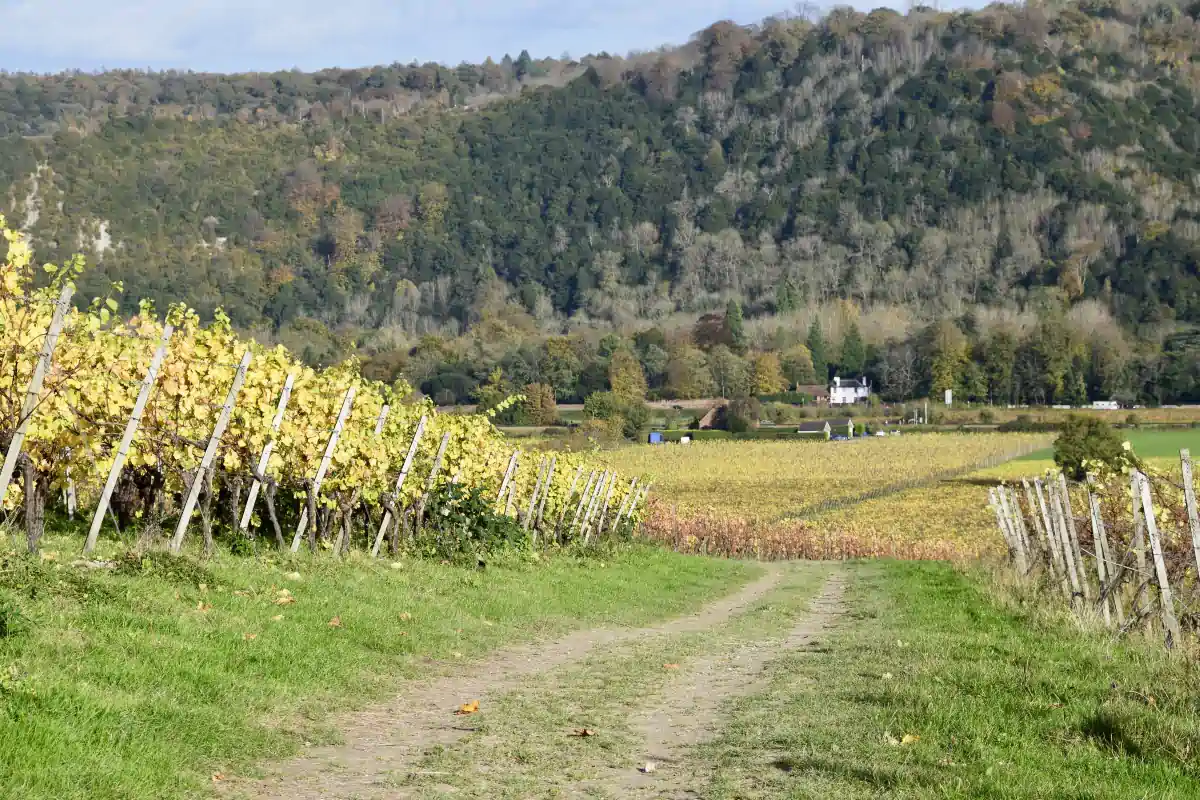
(94, 379)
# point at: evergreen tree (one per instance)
(816, 349)
(736, 327)
(854, 353)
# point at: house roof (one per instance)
(813, 389)
(851, 383)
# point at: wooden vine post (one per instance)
(265, 458)
(1044, 537)
(210, 453)
(625, 501)
(131, 427)
(1068, 555)
(545, 494)
(325, 461)
(1142, 597)
(1015, 530)
(1189, 500)
(1052, 534)
(431, 480)
(1098, 536)
(587, 488)
(508, 474)
(1076, 550)
(400, 479)
(537, 488)
(33, 393)
(1170, 622)
(562, 516)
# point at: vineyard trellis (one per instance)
(1141, 567)
(119, 417)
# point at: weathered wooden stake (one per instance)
(612, 483)
(583, 498)
(210, 452)
(430, 481)
(1142, 597)
(265, 458)
(545, 494)
(512, 465)
(1056, 554)
(1044, 538)
(1014, 530)
(1074, 537)
(347, 402)
(1170, 622)
(131, 427)
(537, 488)
(585, 531)
(625, 501)
(1064, 538)
(562, 516)
(1098, 536)
(408, 462)
(1189, 500)
(33, 393)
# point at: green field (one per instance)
(1150, 444)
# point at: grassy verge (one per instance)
(1004, 707)
(143, 682)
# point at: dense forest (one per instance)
(1004, 201)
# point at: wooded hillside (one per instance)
(1027, 161)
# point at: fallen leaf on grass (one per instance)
(397, 565)
(240, 593)
(277, 618)
(404, 615)
(294, 576)
(887, 676)
(336, 622)
(910, 738)
(218, 776)
(670, 666)
(584, 732)
(249, 637)
(889, 739)
(458, 655)
(203, 606)
(468, 708)
(285, 598)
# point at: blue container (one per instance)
(656, 438)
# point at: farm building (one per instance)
(820, 394)
(848, 392)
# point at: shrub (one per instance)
(633, 415)
(987, 416)
(462, 526)
(1086, 442)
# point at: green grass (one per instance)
(143, 682)
(1004, 706)
(1150, 444)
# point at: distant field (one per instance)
(767, 480)
(1148, 444)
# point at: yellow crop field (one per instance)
(772, 480)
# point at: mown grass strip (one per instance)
(145, 682)
(1002, 705)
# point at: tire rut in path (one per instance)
(390, 737)
(690, 708)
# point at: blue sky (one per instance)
(236, 35)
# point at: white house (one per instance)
(849, 392)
